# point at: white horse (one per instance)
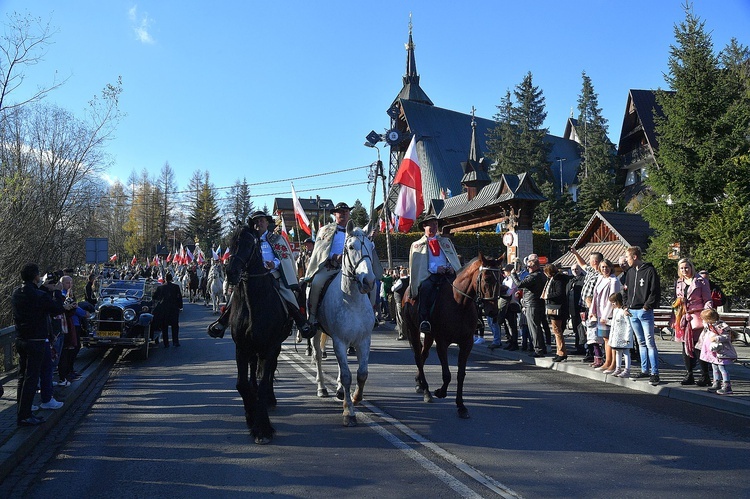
(216, 286)
(185, 282)
(347, 316)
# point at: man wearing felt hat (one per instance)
(303, 260)
(432, 261)
(277, 258)
(325, 260)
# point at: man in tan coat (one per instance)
(432, 261)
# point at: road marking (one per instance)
(451, 481)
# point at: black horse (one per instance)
(259, 325)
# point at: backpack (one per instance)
(717, 297)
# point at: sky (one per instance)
(272, 91)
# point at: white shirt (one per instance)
(337, 243)
(435, 261)
(267, 251)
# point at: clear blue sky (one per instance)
(273, 90)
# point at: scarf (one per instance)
(434, 245)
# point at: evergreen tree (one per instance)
(359, 214)
(529, 115)
(204, 223)
(503, 141)
(239, 203)
(597, 176)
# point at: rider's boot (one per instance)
(305, 328)
(217, 329)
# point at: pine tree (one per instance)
(359, 214)
(597, 177)
(503, 141)
(239, 203)
(204, 223)
(529, 114)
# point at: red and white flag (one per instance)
(169, 257)
(155, 261)
(199, 259)
(181, 255)
(225, 257)
(299, 214)
(133, 261)
(284, 233)
(410, 203)
(113, 258)
(215, 254)
(188, 256)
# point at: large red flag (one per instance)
(410, 203)
(299, 214)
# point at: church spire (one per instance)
(475, 168)
(411, 89)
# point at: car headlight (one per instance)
(128, 314)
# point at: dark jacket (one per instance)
(532, 286)
(32, 308)
(573, 290)
(167, 302)
(556, 294)
(642, 288)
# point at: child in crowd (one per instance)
(620, 336)
(716, 349)
(592, 340)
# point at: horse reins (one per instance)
(352, 276)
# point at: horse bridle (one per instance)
(253, 255)
(479, 300)
(352, 276)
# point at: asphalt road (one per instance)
(173, 426)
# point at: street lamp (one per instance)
(372, 140)
(560, 160)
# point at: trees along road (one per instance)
(173, 426)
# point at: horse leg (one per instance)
(363, 355)
(442, 351)
(345, 382)
(463, 356)
(314, 343)
(244, 387)
(419, 359)
(262, 430)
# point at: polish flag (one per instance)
(133, 261)
(284, 233)
(410, 203)
(113, 258)
(199, 259)
(299, 214)
(188, 255)
(169, 257)
(225, 257)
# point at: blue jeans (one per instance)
(495, 328)
(643, 327)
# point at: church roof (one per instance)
(509, 187)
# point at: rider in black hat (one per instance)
(277, 257)
(325, 260)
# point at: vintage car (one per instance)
(123, 315)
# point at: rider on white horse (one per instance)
(277, 257)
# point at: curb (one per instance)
(24, 439)
(692, 395)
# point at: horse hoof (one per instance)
(463, 413)
(262, 440)
(418, 389)
(441, 394)
(350, 420)
(340, 394)
(323, 393)
(427, 397)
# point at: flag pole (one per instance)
(387, 215)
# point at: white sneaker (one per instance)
(624, 374)
(52, 404)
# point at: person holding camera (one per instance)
(31, 309)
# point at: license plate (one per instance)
(109, 334)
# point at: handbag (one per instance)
(553, 309)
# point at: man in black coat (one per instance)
(533, 305)
(167, 308)
(32, 308)
(575, 284)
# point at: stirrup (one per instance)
(216, 330)
(308, 330)
(425, 327)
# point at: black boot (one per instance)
(688, 379)
(705, 378)
(304, 328)
(217, 329)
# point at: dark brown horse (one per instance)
(454, 318)
(259, 325)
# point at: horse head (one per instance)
(356, 262)
(489, 285)
(244, 252)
